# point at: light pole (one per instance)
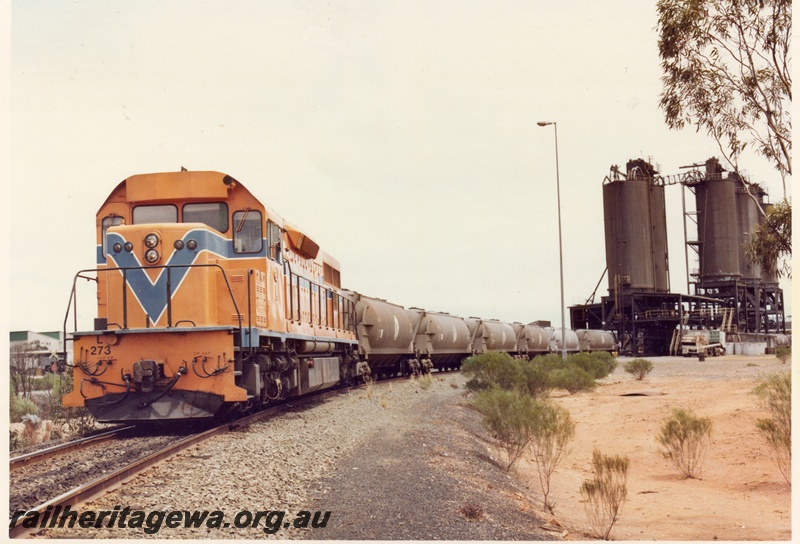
(560, 247)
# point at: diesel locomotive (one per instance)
(208, 301)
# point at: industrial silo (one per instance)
(749, 202)
(717, 226)
(636, 231)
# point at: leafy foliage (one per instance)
(638, 368)
(21, 406)
(492, 368)
(549, 362)
(510, 417)
(572, 378)
(726, 66)
(771, 240)
(775, 394)
(685, 439)
(535, 379)
(598, 364)
(605, 493)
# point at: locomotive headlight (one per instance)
(151, 240)
(191, 244)
(151, 256)
(128, 247)
(178, 244)
(117, 247)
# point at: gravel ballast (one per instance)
(402, 460)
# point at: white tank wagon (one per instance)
(782, 340)
(442, 341)
(596, 340)
(532, 340)
(385, 333)
(570, 336)
(493, 335)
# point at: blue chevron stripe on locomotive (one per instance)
(152, 296)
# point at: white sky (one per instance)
(401, 135)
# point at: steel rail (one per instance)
(95, 488)
(42, 455)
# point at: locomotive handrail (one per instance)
(73, 300)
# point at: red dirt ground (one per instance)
(740, 493)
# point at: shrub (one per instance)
(775, 395)
(783, 354)
(598, 364)
(606, 360)
(68, 422)
(553, 430)
(548, 363)
(685, 439)
(639, 368)
(20, 406)
(509, 416)
(45, 382)
(572, 378)
(535, 379)
(487, 369)
(605, 494)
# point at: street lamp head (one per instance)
(545, 123)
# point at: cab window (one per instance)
(159, 213)
(110, 221)
(213, 214)
(274, 242)
(247, 231)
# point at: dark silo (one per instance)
(636, 231)
(749, 215)
(717, 225)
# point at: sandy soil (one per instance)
(740, 493)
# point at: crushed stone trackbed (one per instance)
(415, 478)
(399, 460)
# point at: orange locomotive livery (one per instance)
(207, 300)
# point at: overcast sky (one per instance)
(400, 135)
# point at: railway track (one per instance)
(34, 457)
(37, 492)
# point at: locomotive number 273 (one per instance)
(100, 350)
